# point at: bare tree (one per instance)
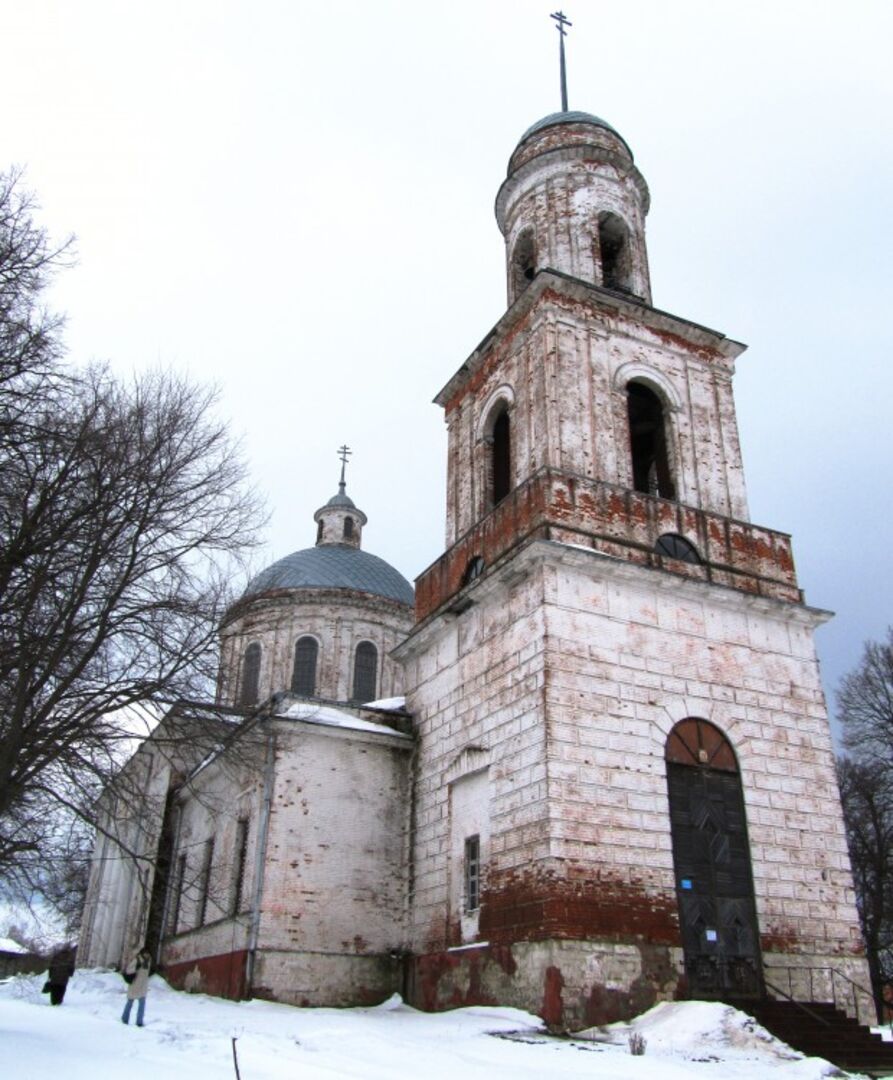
(865, 703)
(866, 790)
(122, 508)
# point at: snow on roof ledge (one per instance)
(388, 704)
(7, 945)
(329, 716)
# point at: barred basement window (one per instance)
(250, 675)
(241, 852)
(365, 672)
(303, 679)
(205, 882)
(173, 919)
(472, 872)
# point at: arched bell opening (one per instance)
(613, 253)
(711, 858)
(651, 470)
(523, 263)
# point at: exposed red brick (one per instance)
(534, 905)
(552, 1010)
(222, 976)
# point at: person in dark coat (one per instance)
(136, 975)
(61, 970)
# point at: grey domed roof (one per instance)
(342, 500)
(571, 117)
(334, 566)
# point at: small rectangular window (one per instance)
(472, 873)
(205, 882)
(240, 853)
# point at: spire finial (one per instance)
(560, 23)
(344, 453)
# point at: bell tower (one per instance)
(625, 787)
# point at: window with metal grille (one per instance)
(205, 882)
(173, 918)
(472, 872)
(240, 855)
(303, 679)
(250, 675)
(673, 546)
(365, 672)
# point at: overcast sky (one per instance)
(295, 200)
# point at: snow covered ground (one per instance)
(189, 1036)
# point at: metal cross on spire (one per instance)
(560, 23)
(344, 453)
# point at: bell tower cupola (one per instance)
(574, 201)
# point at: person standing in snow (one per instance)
(136, 974)
(61, 970)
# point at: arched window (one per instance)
(674, 546)
(523, 262)
(319, 531)
(250, 675)
(348, 528)
(648, 442)
(365, 672)
(613, 247)
(303, 679)
(501, 458)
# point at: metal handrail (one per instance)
(831, 972)
(794, 1001)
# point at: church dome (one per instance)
(570, 117)
(334, 566)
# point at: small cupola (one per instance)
(574, 201)
(339, 521)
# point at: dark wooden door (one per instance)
(713, 881)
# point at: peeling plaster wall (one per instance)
(580, 845)
(566, 362)
(333, 896)
(122, 873)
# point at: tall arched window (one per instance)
(348, 528)
(648, 442)
(365, 672)
(613, 247)
(523, 262)
(303, 679)
(248, 691)
(501, 457)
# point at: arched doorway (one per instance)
(711, 856)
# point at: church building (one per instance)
(585, 765)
